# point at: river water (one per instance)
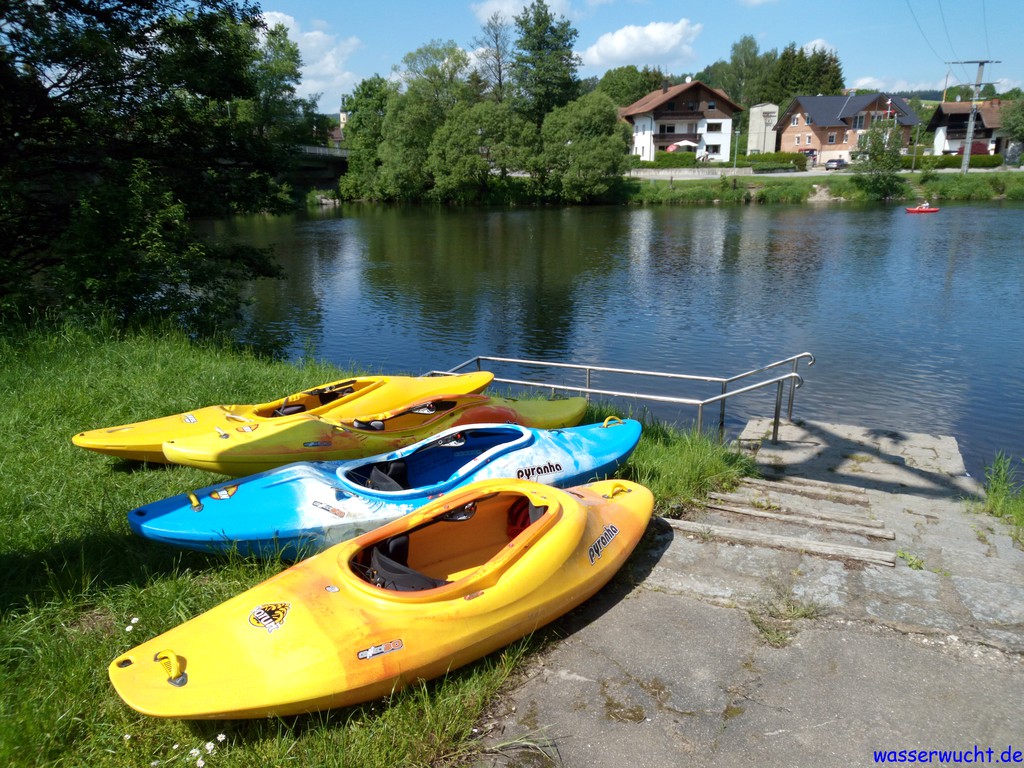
(916, 321)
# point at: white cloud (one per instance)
(512, 8)
(660, 42)
(819, 44)
(323, 60)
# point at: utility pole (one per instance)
(974, 109)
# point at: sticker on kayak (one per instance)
(317, 444)
(328, 508)
(269, 616)
(220, 494)
(188, 418)
(380, 650)
(609, 533)
(247, 428)
(527, 472)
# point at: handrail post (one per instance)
(778, 409)
(700, 418)
(588, 383)
(721, 415)
(792, 391)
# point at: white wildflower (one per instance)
(200, 763)
(221, 737)
(193, 752)
(209, 746)
(135, 619)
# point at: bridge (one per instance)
(318, 167)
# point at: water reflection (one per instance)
(915, 321)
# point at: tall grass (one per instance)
(1004, 493)
(78, 589)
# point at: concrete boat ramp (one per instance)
(852, 601)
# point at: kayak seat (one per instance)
(388, 569)
(288, 410)
(375, 424)
(393, 476)
(521, 515)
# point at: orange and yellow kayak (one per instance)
(247, 449)
(463, 576)
(345, 398)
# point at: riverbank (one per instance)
(680, 187)
(79, 589)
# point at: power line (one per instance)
(949, 40)
(919, 29)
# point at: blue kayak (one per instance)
(304, 507)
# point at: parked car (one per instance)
(835, 164)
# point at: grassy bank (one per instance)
(79, 589)
(1004, 494)
(999, 185)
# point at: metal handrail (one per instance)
(793, 377)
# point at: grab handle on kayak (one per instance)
(235, 417)
(196, 504)
(611, 421)
(616, 489)
(172, 665)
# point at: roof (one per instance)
(837, 111)
(989, 112)
(655, 99)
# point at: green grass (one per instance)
(1004, 494)
(75, 580)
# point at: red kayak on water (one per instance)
(917, 209)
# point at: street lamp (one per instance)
(736, 150)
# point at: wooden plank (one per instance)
(814, 522)
(838, 494)
(839, 517)
(809, 546)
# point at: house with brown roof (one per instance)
(830, 127)
(949, 122)
(689, 117)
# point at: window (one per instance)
(858, 123)
(692, 106)
(667, 128)
(797, 142)
(711, 105)
(714, 128)
(831, 138)
(808, 120)
(846, 137)
(671, 106)
(808, 139)
(713, 149)
(795, 120)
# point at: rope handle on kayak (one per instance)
(611, 421)
(171, 663)
(616, 489)
(236, 417)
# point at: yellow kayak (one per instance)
(346, 398)
(461, 577)
(243, 451)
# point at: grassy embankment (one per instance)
(78, 589)
(936, 187)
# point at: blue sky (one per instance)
(883, 44)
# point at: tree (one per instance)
(585, 149)
(127, 107)
(877, 174)
(364, 133)
(628, 84)
(1013, 124)
(545, 66)
(434, 77)
(494, 52)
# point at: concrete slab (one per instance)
(672, 664)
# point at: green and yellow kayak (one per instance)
(249, 448)
(345, 398)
